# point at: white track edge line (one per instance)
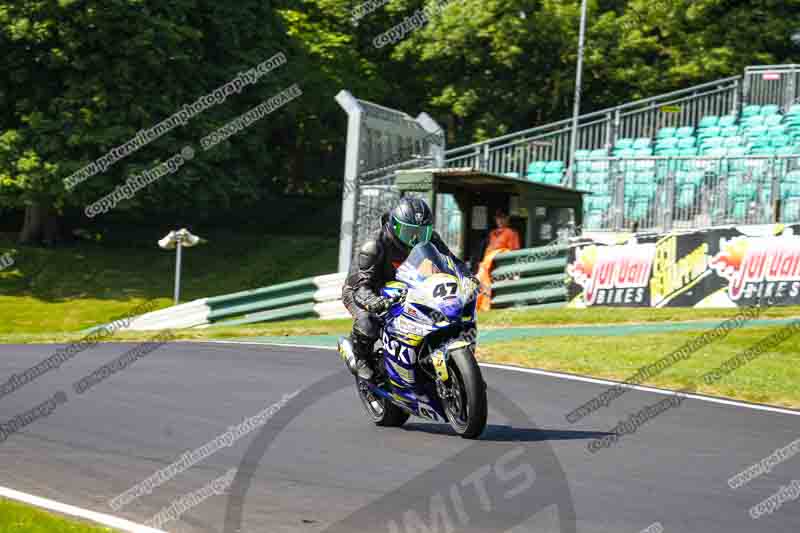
(572, 377)
(63, 508)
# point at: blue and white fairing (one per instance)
(441, 299)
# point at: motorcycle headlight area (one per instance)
(451, 308)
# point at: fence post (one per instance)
(745, 90)
(736, 98)
(669, 183)
(619, 193)
(485, 158)
(609, 130)
(775, 192)
(789, 95)
(617, 126)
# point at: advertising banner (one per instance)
(716, 267)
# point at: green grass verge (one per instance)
(72, 287)
(771, 378)
(19, 518)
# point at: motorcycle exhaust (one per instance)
(345, 347)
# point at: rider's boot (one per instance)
(358, 356)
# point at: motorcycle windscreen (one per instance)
(423, 262)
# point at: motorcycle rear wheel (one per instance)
(466, 405)
(379, 409)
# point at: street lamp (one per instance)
(573, 145)
(177, 240)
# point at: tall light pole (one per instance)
(573, 145)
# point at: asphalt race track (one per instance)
(319, 465)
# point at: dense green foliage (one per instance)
(81, 77)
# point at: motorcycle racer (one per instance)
(409, 223)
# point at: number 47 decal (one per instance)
(441, 289)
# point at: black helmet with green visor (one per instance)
(411, 222)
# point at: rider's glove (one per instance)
(379, 305)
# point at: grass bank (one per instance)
(19, 518)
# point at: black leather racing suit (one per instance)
(375, 265)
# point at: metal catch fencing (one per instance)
(599, 129)
(772, 84)
(664, 193)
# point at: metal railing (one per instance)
(772, 84)
(600, 129)
(664, 193)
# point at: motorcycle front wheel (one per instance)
(464, 398)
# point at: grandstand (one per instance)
(725, 152)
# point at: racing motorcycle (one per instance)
(426, 356)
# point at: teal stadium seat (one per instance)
(581, 163)
(598, 177)
(623, 143)
(770, 109)
(793, 176)
(709, 143)
(641, 142)
(646, 176)
(791, 122)
(726, 121)
(729, 131)
(714, 131)
(695, 177)
(773, 120)
(601, 202)
(601, 187)
(751, 110)
(645, 164)
(735, 151)
(755, 120)
(717, 151)
(685, 131)
(667, 142)
(536, 167)
(791, 210)
(740, 195)
(708, 121)
(687, 142)
(690, 151)
(774, 131)
(780, 141)
(762, 150)
(665, 133)
(730, 142)
(554, 166)
(685, 195)
(736, 159)
(668, 152)
(759, 132)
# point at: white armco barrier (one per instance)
(325, 302)
(186, 315)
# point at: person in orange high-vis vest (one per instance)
(502, 239)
